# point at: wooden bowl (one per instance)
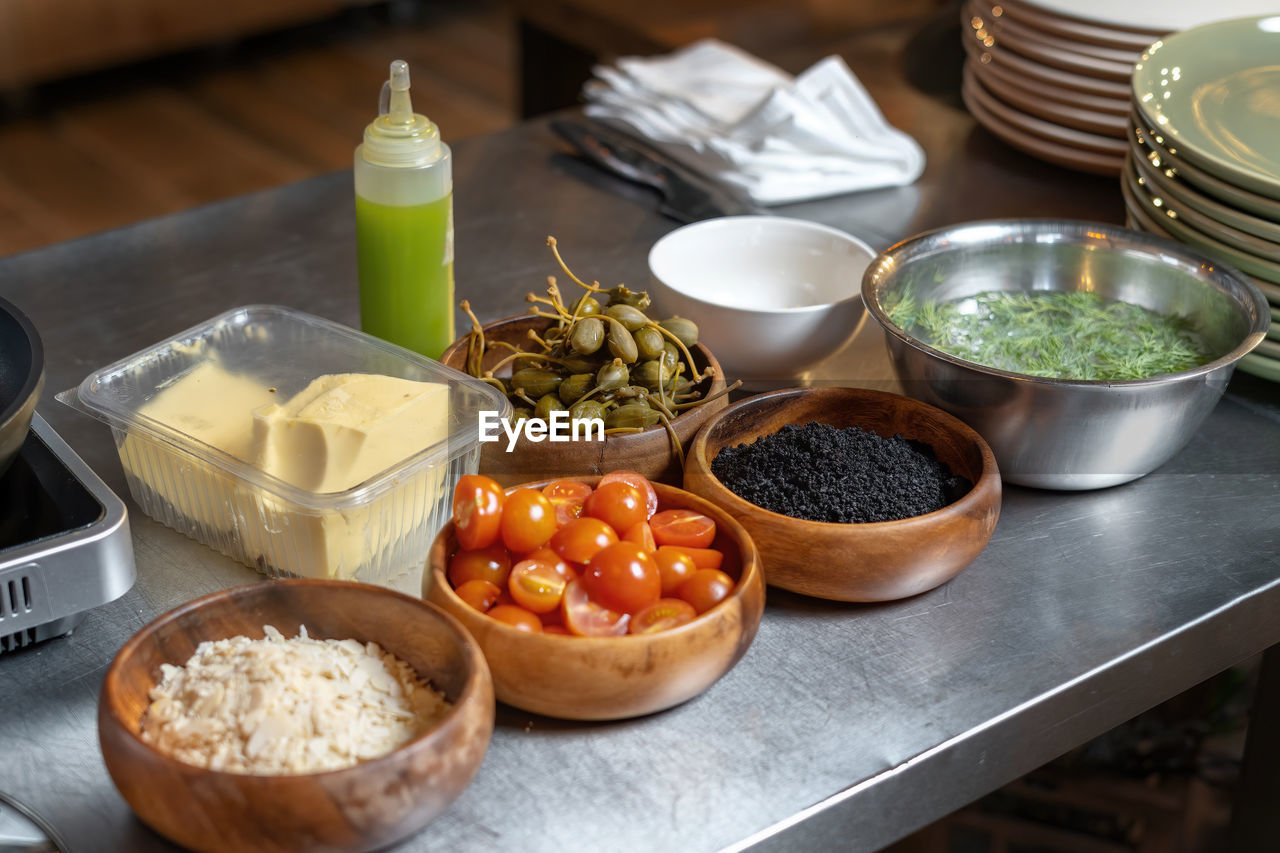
(611, 678)
(650, 451)
(877, 561)
(365, 807)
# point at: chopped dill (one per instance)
(1059, 334)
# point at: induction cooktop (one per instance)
(64, 541)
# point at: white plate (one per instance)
(1164, 16)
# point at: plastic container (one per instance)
(404, 224)
(378, 531)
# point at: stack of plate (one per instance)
(1052, 77)
(1204, 158)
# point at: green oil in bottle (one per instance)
(404, 225)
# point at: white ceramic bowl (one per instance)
(772, 296)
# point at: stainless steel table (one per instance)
(844, 727)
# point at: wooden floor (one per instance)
(97, 152)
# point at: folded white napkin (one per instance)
(739, 120)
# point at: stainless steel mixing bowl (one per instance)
(1058, 433)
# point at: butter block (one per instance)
(337, 433)
(343, 429)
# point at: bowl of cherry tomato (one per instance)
(597, 598)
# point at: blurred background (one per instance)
(114, 111)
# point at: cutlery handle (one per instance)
(630, 165)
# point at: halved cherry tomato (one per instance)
(567, 496)
(586, 618)
(641, 482)
(642, 535)
(662, 615)
(477, 511)
(528, 520)
(622, 577)
(684, 527)
(482, 595)
(569, 571)
(580, 539)
(536, 586)
(620, 504)
(706, 589)
(703, 558)
(491, 564)
(674, 567)
(517, 617)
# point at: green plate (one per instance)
(1181, 231)
(1267, 368)
(1211, 91)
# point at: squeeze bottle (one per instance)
(404, 224)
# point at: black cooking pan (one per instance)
(21, 378)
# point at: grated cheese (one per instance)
(285, 706)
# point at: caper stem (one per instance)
(697, 377)
(737, 383)
(475, 344)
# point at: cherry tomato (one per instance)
(703, 558)
(517, 617)
(623, 577)
(569, 571)
(663, 615)
(482, 595)
(586, 618)
(620, 504)
(641, 482)
(477, 511)
(706, 589)
(567, 496)
(528, 520)
(674, 567)
(491, 564)
(536, 586)
(684, 527)
(580, 539)
(642, 535)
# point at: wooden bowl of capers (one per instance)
(596, 358)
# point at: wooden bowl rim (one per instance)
(972, 500)
(751, 572)
(718, 382)
(477, 676)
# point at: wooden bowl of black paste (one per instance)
(850, 494)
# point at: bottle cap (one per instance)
(399, 136)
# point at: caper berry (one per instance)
(686, 331)
(621, 344)
(575, 386)
(586, 305)
(580, 363)
(653, 374)
(587, 409)
(623, 295)
(534, 382)
(613, 375)
(587, 335)
(631, 317)
(547, 404)
(649, 343)
(631, 416)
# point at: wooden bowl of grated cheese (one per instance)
(296, 715)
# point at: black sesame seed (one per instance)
(847, 475)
